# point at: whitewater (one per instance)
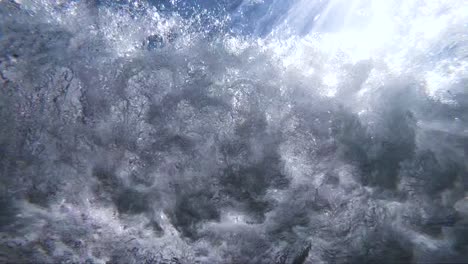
(244, 131)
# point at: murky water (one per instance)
(234, 131)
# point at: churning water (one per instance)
(254, 131)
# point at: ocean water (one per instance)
(244, 131)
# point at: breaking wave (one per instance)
(234, 131)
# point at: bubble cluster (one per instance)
(164, 132)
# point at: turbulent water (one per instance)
(254, 131)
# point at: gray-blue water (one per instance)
(246, 131)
